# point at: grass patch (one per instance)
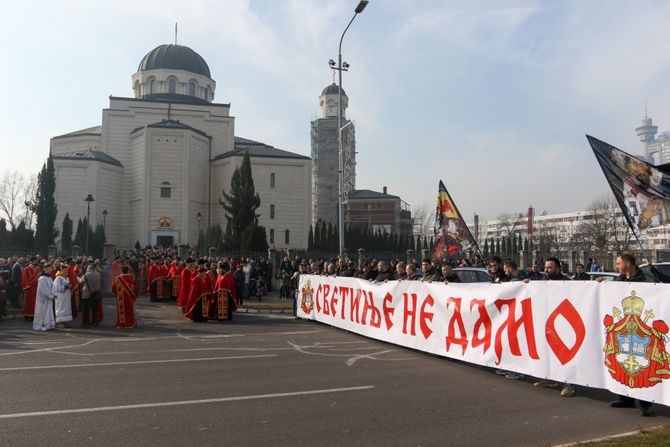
(647, 438)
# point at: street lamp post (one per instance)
(340, 68)
(89, 198)
(199, 217)
(104, 219)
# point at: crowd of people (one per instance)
(55, 291)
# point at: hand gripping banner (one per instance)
(608, 335)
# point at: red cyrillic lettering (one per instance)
(369, 305)
(355, 306)
(560, 349)
(513, 326)
(409, 313)
(426, 316)
(483, 321)
(388, 311)
(456, 319)
(326, 306)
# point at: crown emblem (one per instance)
(632, 305)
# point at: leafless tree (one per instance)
(511, 222)
(29, 200)
(15, 189)
(424, 220)
(605, 228)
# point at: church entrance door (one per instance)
(165, 241)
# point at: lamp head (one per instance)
(345, 65)
(361, 6)
(331, 63)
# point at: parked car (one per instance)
(472, 274)
(662, 267)
(606, 276)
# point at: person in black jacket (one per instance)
(385, 273)
(581, 274)
(448, 274)
(630, 272)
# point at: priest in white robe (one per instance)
(44, 313)
(61, 290)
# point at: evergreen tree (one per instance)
(317, 235)
(45, 203)
(138, 247)
(310, 238)
(22, 237)
(324, 236)
(258, 239)
(227, 236)
(486, 248)
(97, 241)
(240, 206)
(329, 237)
(80, 234)
(66, 236)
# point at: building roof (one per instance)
(89, 154)
(332, 89)
(89, 131)
(368, 194)
(176, 57)
(171, 124)
(258, 149)
(172, 99)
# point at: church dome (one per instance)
(332, 89)
(175, 57)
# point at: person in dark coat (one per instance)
(581, 274)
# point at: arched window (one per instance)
(191, 88)
(166, 190)
(152, 86)
(172, 85)
(207, 93)
(272, 180)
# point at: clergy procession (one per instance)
(58, 292)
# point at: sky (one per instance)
(492, 97)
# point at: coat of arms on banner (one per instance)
(635, 353)
(307, 301)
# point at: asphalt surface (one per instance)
(267, 379)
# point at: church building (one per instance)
(157, 164)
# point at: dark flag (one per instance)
(641, 189)
(452, 235)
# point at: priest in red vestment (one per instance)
(198, 299)
(126, 291)
(225, 294)
(31, 274)
(165, 287)
(154, 282)
(185, 284)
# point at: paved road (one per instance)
(270, 380)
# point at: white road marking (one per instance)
(185, 402)
(142, 362)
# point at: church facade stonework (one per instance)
(158, 163)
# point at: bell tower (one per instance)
(328, 102)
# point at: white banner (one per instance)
(608, 335)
